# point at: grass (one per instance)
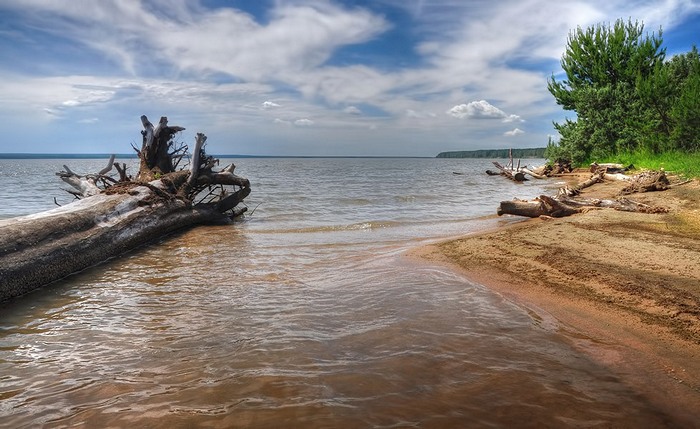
(681, 163)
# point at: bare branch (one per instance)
(108, 168)
(162, 124)
(196, 154)
(147, 132)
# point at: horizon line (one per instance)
(30, 155)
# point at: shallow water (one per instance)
(305, 314)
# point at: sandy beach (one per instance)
(624, 287)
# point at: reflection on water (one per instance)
(317, 321)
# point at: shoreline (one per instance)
(623, 287)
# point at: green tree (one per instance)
(603, 65)
(685, 111)
(671, 93)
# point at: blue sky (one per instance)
(298, 77)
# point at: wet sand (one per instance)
(624, 287)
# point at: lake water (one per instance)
(304, 314)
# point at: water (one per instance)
(305, 314)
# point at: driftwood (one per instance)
(610, 168)
(564, 205)
(512, 174)
(113, 216)
(532, 173)
(572, 191)
(647, 181)
(559, 166)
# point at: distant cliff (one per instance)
(494, 153)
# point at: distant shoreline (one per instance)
(134, 156)
(529, 153)
(65, 155)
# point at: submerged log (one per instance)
(105, 222)
(515, 175)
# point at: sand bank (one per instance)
(624, 287)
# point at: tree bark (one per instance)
(105, 222)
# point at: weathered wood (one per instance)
(647, 181)
(41, 248)
(620, 203)
(155, 155)
(196, 156)
(515, 175)
(121, 169)
(532, 173)
(44, 247)
(540, 206)
(86, 186)
(563, 206)
(616, 176)
(610, 168)
(109, 166)
(569, 191)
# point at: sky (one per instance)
(298, 77)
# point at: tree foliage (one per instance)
(625, 95)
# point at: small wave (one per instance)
(417, 198)
(360, 226)
(356, 201)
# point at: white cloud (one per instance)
(514, 132)
(232, 42)
(86, 96)
(461, 54)
(477, 110)
(303, 122)
(513, 118)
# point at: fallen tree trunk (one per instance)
(562, 206)
(44, 247)
(540, 206)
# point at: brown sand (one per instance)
(625, 287)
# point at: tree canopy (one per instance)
(625, 94)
